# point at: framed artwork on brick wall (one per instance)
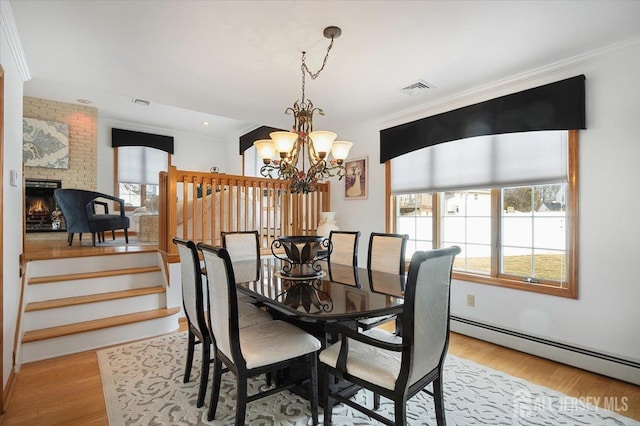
(45, 143)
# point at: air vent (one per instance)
(140, 102)
(416, 88)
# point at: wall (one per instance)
(12, 196)
(605, 317)
(83, 142)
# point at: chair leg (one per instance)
(326, 400)
(190, 348)
(314, 388)
(400, 407)
(241, 399)
(113, 234)
(438, 399)
(70, 238)
(204, 374)
(376, 401)
(215, 389)
(93, 239)
(126, 236)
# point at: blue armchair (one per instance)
(78, 209)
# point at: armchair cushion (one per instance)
(371, 363)
(274, 341)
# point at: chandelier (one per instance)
(281, 153)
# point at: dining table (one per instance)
(335, 293)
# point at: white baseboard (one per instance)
(605, 364)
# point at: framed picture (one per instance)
(45, 144)
(355, 180)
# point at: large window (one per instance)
(518, 232)
(137, 173)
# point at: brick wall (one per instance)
(83, 142)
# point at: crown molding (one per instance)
(10, 30)
(522, 81)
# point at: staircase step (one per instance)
(88, 275)
(81, 327)
(92, 298)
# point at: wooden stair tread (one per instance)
(92, 298)
(97, 274)
(81, 327)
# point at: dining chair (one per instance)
(386, 254)
(197, 320)
(247, 352)
(398, 367)
(244, 247)
(344, 248)
(193, 305)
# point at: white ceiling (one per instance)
(195, 60)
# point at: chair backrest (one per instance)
(223, 302)
(386, 252)
(192, 286)
(242, 245)
(425, 319)
(344, 247)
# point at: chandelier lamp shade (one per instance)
(283, 151)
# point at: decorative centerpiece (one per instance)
(302, 259)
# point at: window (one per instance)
(137, 169)
(518, 232)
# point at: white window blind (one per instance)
(140, 164)
(512, 159)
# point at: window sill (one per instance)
(569, 291)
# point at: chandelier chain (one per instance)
(306, 69)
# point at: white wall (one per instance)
(606, 315)
(192, 152)
(12, 196)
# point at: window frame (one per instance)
(568, 289)
(116, 183)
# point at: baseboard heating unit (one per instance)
(598, 362)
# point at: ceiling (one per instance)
(236, 64)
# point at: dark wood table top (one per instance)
(340, 293)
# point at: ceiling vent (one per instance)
(416, 88)
(140, 102)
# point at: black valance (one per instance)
(555, 106)
(262, 132)
(121, 137)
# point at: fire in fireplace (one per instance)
(41, 212)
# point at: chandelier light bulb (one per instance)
(322, 141)
(266, 149)
(284, 141)
(340, 150)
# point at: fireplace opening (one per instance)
(41, 211)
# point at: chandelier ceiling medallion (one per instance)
(281, 153)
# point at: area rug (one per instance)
(142, 385)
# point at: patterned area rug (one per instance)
(142, 385)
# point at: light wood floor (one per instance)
(68, 390)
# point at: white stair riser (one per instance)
(46, 318)
(65, 345)
(40, 268)
(62, 289)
